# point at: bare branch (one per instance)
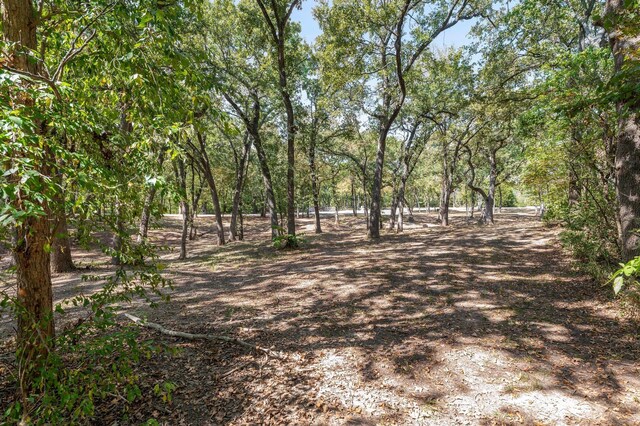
(75, 51)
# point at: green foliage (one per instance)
(94, 358)
(627, 276)
(287, 241)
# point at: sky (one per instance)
(453, 37)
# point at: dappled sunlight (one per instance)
(423, 327)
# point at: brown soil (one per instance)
(468, 324)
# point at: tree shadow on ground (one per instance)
(482, 324)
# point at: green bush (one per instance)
(92, 360)
(287, 241)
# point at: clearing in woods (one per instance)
(462, 325)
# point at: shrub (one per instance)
(91, 360)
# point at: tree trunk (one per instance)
(392, 210)
(491, 193)
(291, 127)
(473, 204)
(365, 202)
(205, 167)
(445, 198)
(315, 187)
(237, 194)
(400, 226)
(354, 201)
(376, 188)
(143, 228)
(61, 260)
(625, 42)
(31, 254)
(216, 205)
(268, 186)
(116, 239)
(184, 206)
(181, 180)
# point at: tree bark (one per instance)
(31, 254)
(491, 193)
(376, 187)
(181, 180)
(393, 208)
(117, 242)
(205, 168)
(61, 260)
(624, 45)
(354, 201)
(268, 186)
(278, 26)
(445, 197)
(315, 187)
(237, 194)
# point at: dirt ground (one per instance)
(465, 325)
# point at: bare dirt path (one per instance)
(471, 324)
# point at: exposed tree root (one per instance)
(212, 337)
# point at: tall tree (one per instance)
(277, 15)
(31, 251)
(621, 21)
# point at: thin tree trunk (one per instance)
(268, 186)
(181, 180)
(184, 206)
(473, 204)
(365, 201)
(117, 240)
(61, 260)
(237, 194)
(445, 199)
(143, 228)
(392, 211)
(491, 193)
(354, 203)
(315, 187)
(400, 226)
(205, 167)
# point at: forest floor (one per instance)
(469, 324)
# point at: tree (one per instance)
(385, 39)
(277, 15)
(31, 251)
(621, 22)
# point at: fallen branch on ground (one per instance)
(192, 336)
